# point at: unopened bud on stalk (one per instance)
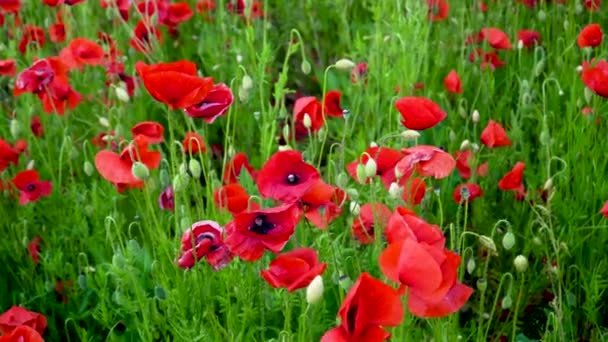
(103, 121)
(370, 167)
(361, 173)
(307, 121)
(521, 263)
(506, 302)
(410, 134)
(284, 148)
(165, 179)
(286, 132)
(520, 44)
(541, 15)
(475, 116)
(548, 184)
(395, 190)
(305, 67)
(488, 243)
(195, 168)
(355, 208)
(508, 240)
(588, 94)
(88, 168)
(121, 93)
(475, 147)
(30, 165)
(471, 265)
(344, 64)
(15, 128)
(482, 284)
(314, 291)
(451, 136)
(373, 144)
(180, 183)
(140, 171)
(465, 145)
(342, 180)
(247, 82)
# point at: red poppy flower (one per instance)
(483, 169)
(463, 160)
(592, 5)
(34, 248)
(496, 38)
(240, 7)
(123, 6)
(7, 155)
(36, 127)
(160, 78)
(359, 73)
(513, 179)
(438, 10)
(17, 316)
(369, 306)
(528, 38)
(166, 199)
(452, 83)
(8, 67)
(234, 167)
(590, 36)
(144, 35)
(308, 105)
(10, 6)
(372, 217)
(234, 198)
(488, 59)
(286, 177)
(117, 168)
(405, 224)
(252, 232)
(386, 158)
(58, 97)
(596, 78)
(414, 190)
(80, 52)
(22, 334)
(31, 34)
(604, 210)
(177, 13)
(322, 203)
(430, 275)
(427, 161)
(204, 240)
(472, 191)
(294, 269)
(494, 135)
(332, 103)
(30, 187)
(40, 75)
(193, 143)
(214, 105)
(419, 113)
(150, 130)
(205, 6)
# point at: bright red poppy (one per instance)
(40, 75)
(36, 126)
(369, 306)
(234, 198)
(528, 38)
(286, 177)
(59, 97)
(252, 232)
(414, 190)
(311, 107)
(463, 161)
(592, 5)
(8, 67)
(22, 333)
(405, 224)
(235, 166)
(8, 155)
(17, 316)
(590, 36)
(160, 78)
(604, 210)
(177, 13)
(452, 83)
(193, 143)
(438, 10)
(494, 135)
(80, 52)
(419, 113)
(372, 217)
(513, 179)
(123, 6)
(427, 161)
(145, 35)
(32, 35)
(294, 270)
(10, 6)
(331, 102)
(465, 193)
(152, 131)
(596, 77)
(204, 240)
(385, 157)
(214, 105)
(322, 203)
(30, 187)
(34, 248)
(488, 59)
(496, 37)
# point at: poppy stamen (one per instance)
(293, 179)
(31, 187)
(261, 225)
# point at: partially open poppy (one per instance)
(414, 190)
(34, 248)
(528, 38)
(438, 10)
(332, 103)
(604, 210)
(322, 203)
(286, 177)
(452, 83)
(214, 105)
(39, 75)
(160, 78)
(36, 126)
(404, 224)
(32, 35)
(513, 179)
(17, 316)
(427, 161)
(30, 187)
(58, 97)
(166, 199)
(372, 217)
(596, 77)
(494, 135)
(496, 37)
(294, 269)
(152, 131)
(234, 198)
(252, 232)
(144, 35)
(419, 113)
(307, 111)
(177, 13)
(80, 52)
(204, 240)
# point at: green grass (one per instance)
(119, 250)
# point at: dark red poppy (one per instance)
(332, 104)
(513, 179)
(8, 155)
(234, 198)
(604, 210)
(452, 83)
(214, 105)
(405, 224)
(166, 199)
(427, 161)
(240, 7)
(311, 107)
(596, 77)
(150, 130)
(234, 167)
(590, 36)
(34, 248)
(369, 306)
(385, 157)
(17, 316)
(438, 10)
(193, 143)
(322, 203)
(419, 113)
(160, 78)
(30, 187)
(252, 232)
(22, 333)
(372, 217)
(429, 273)
(494, 135)
(414, 190)
(592, 5)
(31, 35)
(8, 67)
(80, 52)
(496, 38)
(528, 38)
(359, 73)
(464, 193)
(204, 240)
(286, 177)
(294, 269)
(145, 35)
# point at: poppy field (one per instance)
(361, 171)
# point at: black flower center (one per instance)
(203, 236)
(31, 187)
(261, 225)
(292, 179)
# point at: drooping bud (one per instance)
(475, 116)
(395, 190)
(195, 168)
(506, 302)
(521, 263)
(344, 64)
(121, 93)
(140, 170)
(15, 128)
(355, 208)
(361, 173)
(371, 168)
(508, 240)
(482, 284)
(488, 243)
(471, 265)
(305, 67)
(465, 145)
(88, 168)
(410, 134)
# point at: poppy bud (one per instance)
(239, 58)
(195, 168)
(398, 174)
(183, 170)
(482, 284)
(165, 179)
(243, 96)
(247, 83)
(548, 184)
(307, 121)
(15, 128)
(286, 132)
(541, 15)
(88, 168)
(566, 25)
(537, 241)
(545, 138)
(488, 243)
(462, 112)
(342, 180)
(475, 116)
(521, 263)
(520, 44)
(355, 208)
(471, 265)
(373, 144)
(314, 291)
(465, 145)
(344, 64)
(361, 174)
(370, 168)
(475, 147)
(410, 134)
(121, 93)
(103, 121)
(140, 171)
(508, 240)
(82, 282)
(506, 302)
(588, 94)
(160, 293)
(119, 130)
(180, 182)
(345, 282)
(395, 190)
(284, 148)
(451, 136)
(353, 193)
(305, 67)
(30, 165)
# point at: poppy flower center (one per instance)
(261, 225)
(292, 179)
(203, 236)
(31, 187)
